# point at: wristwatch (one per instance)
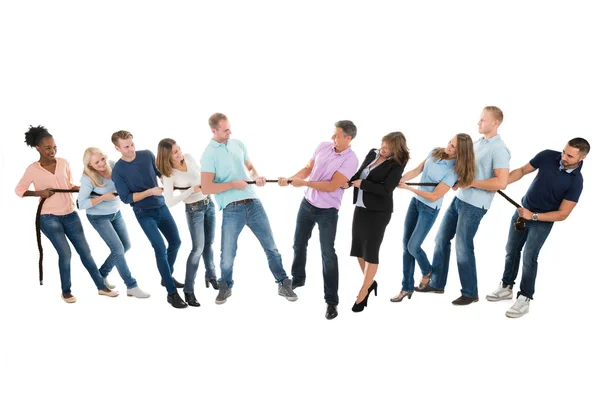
(535, 216)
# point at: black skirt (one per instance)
(368, 228)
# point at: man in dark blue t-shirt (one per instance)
(551, 197)
(135, 176)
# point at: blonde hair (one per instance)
(89, 171)
(464, 166)
(163, 157)
(121, 134)
(496, 113)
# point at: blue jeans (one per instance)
(461, 219)
(155, 221)
(326, 218)
(417, 224)
(201, 222)
(235, 217)
(533, 239)
(113, 231)
(57, 229)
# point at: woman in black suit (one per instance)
(374, 183)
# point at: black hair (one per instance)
(35, 134)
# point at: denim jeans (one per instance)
(461, 219)
(533, 239)
(201, 222)
(113, 231)
(57, 229)
(417, 224)
(155, 221)
(235, 217)
(326, 218)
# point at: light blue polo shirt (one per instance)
(437, 171)
(490, 154)
(227, 161)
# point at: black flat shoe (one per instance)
(213, 282)
(175, 300)
(190, 298)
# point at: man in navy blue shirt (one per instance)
(551, 197)
(135, 176)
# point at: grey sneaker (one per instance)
(285, 290)
(137, 293)
(224, 293)
(520, 308)
(108, 285)
(501, 293)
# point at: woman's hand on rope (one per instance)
(402, 185)
(46, 193)
(108, 196)
(356, 183)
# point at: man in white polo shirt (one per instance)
(224, 164)
(462, 218)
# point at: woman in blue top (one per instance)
(445, 167)
(104, 215)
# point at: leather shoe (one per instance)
(190, 298)
(213, 282)
(331, 312)
(175, 300)
(177, 283)
(429, 288)
(463, 300)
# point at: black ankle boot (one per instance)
(190, 298)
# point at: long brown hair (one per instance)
(465, 159)
(397, 144)
(163, 157)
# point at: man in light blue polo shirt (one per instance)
(224, 164)
(462, 218)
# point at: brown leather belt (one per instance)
(241, 201)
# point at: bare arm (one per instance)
(517, 174)
(302, 174)
(413, 173)
(210, 187)
(437, 193)
(337, 181)
(566, 206)
(498, 182)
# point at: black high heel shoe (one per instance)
(358, 307)
(212, 282)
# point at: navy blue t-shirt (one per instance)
(551, 185)
(137, 176)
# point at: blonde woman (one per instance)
(454, 164)
(181, 170)
(103, 212)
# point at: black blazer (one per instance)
(379, 186)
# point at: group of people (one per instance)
(478, 169)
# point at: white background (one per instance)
(284, 73)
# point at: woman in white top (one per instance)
(182, 171)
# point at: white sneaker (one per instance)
(501, 293)
(520, 308)
(137, 293)
(108, 285)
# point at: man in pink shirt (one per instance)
(330, 168)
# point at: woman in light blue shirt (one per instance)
(102, 209)
(445, 167)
